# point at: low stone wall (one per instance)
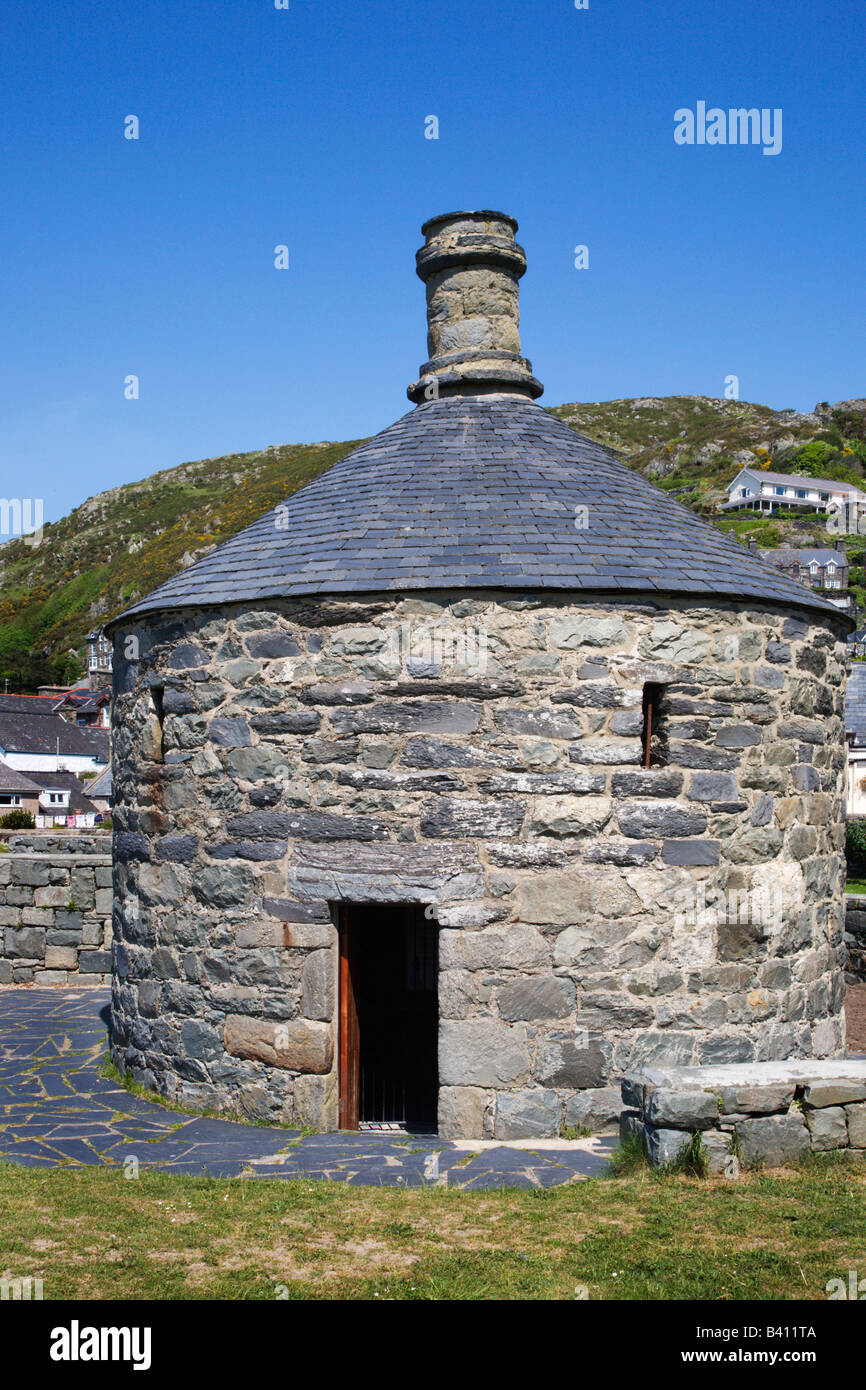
(55, 909)
(855, 938)
(764, 1113)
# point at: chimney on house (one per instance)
(470, 265)
(753, 544)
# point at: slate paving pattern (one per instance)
(55, 1109)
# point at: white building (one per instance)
(754, 489)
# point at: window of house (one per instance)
(10, 799)
(156, 696)
(652, 734)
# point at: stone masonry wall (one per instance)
(594, 916)
(765, 1114)
(55, 910)
(855, 938)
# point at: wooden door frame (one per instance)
(349, 1077)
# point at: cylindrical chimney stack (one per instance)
(471, 265)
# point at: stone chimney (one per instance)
(471, 265)
(753, 544)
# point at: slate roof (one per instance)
(800, 480)
(101, 787)
(11, 780)
(65, 781)
(39, 733)
(479, 491)
(787, 555)
(27, 704)
(855, 702)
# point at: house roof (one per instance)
(101, 787)
(79, 801)
(43, 733)
(478, 491)
(27, 704)
(787, 555)
(11, 780)
(855, 701)
(798, 480)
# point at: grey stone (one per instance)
(229, 733)
(410, 716)
(574, 1065)
(642, 820)
(272, 645)
(664, 1146)
(839, 1091)
(828, 1128)
(482, 1052)
(856, 1117)
(738, 736)
(755, 1099)
(774, 1140)
(681, 1109)
(180, 849)
(522, 1114)
(535, 997)
(540, 722)
(664, 782)
(594, 1109)
(458, 819)
(713, 786)
(290, 721)
(317, 986)
(691, 852)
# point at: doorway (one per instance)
(389, 1017)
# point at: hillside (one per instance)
(122, 543)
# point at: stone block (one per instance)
(570, 1064)
(566, 817)
(594, 1109)
(462, 1112)
(61, 958)
(716, 1146)
(526, 1114)
(295, 1045)
(535, 997)
(513, 947)
(841, 1091)
(691, 853)
(445, 819)
(828, 1128)
(675, 1109)
(482, 1052)
(773, 1140)
(318, 985)
(664, 1146)
(856, 1117)
(25, 943)
(641, 820)
(756, 1099)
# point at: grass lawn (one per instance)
(90, 1233)
(856, 885)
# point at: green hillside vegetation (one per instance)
(119, 545)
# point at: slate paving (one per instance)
(56, 1110)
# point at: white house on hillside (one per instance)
(756, 490)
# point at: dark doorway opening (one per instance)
(389, 1017)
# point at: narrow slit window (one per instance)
(156, 694)
(651, 734)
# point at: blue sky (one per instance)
(305, 127)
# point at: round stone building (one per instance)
(475, 774)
